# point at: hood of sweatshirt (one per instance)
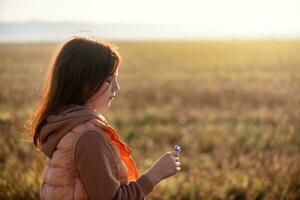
(60, 124)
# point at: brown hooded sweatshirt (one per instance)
(94, 160)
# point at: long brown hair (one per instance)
(79, 69)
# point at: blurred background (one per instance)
(219, 78)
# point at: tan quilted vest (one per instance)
(61, 179)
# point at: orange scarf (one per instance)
(123, 148)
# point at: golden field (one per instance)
(233, 106)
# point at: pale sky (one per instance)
(244, 17)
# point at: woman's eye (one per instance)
(111, 79)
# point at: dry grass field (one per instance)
(233, 106)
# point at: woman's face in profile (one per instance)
(106, 93)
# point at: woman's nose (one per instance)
(116, 86)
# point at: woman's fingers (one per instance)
(176, 159)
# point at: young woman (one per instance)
(85, 157)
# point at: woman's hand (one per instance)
(167, 165)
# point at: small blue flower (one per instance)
(177, 148)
